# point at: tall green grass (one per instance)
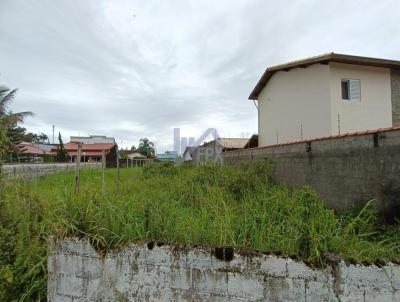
(213, 205)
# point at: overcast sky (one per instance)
(132, 69)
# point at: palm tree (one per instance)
(8, 119)
(146, 147)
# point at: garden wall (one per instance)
(155, 272)
(31, 171)
(345, 170)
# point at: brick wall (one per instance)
(346, 171)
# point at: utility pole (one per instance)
(301, 131)
(53, 134)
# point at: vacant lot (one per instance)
(213, 205)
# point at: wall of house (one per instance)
(148, 272)
(207, 152)
(32, 171)
(373, 111)
(346, 171)
(298, 98)
(395, 86)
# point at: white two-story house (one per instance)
(326, 95)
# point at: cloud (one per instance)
(133, 69)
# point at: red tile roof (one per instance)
(87, 149)
(27, 148)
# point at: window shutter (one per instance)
(345, 90)
(355, 90)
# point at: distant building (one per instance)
(131, 154)
(91, 152)
(213, 149)
(34, 152)
(188, 153)
(93, 139)
(132, 158)
(136, 155)
(46, 147)
(167, 156)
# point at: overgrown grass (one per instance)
(213, 205)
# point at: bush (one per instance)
(23, 250)
(160, 169)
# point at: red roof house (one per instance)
(91, 152)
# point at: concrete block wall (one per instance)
(395, 90)
(32, 171)
(153, 272)
(346, 171)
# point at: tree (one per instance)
(146, 147)
(42, 138)
(3, 144)
(19, 134)
(133, 148)
(62, 155)
(8, 119)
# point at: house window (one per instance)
(351, 90)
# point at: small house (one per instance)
(212, 150)
(326, 95)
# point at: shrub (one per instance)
(160, 169)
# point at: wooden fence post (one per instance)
(103, 167)
(117, 185)
(78, 168)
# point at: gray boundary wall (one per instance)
(149, 272)
(346, 171)
(32, 171)
(395, 91)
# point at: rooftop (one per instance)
(136, 155)
(28, 148)
(231, 143)
(87, 149)
(93, 139)
(321, 59)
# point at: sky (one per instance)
(132, 69)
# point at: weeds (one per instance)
(214, 205)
